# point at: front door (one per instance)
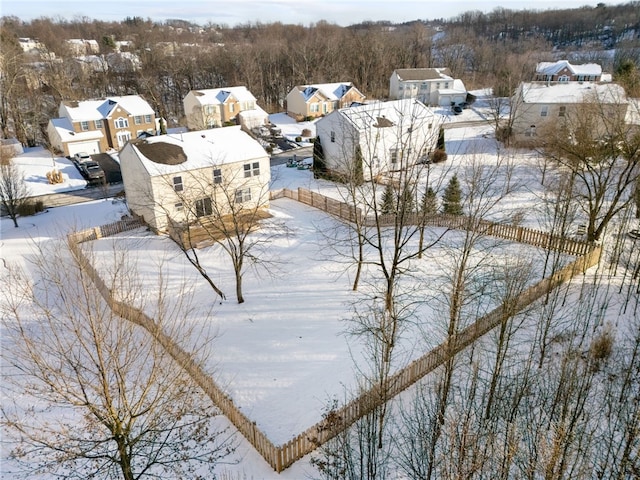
(123, 138)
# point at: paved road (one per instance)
(300, 153)
(80, 196)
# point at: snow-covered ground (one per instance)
(284, 353)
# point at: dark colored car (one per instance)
(457, 109)
(91, 170)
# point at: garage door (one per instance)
(90, 147)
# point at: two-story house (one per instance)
(95, 126)
(563, 71)
(383, 136)
(174, 179)
(312, 101)
(219, 106)
(538, 105)
(432, 86)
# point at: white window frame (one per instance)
(251, 169)
(178, 186)
(243, 195)
(137, 119)
(121, 122)
(98, 124)
(217, 176)
(203, 207)
(544, 110)
(84, 126)
(147, 119)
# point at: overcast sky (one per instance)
(233, 12)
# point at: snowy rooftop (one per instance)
(573, 92)
(417, 74)
(552, 68)
(67, 134)
(104, 108)
(215, 96)
(333, 91)
(201, 149)
(393, 112)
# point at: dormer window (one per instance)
(122, 122)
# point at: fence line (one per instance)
(281, 457)
(515, 233)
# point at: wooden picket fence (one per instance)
(283, 456)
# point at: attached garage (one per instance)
(91, 147)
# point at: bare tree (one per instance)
(13, 189)
(96, 395)
(602, 153)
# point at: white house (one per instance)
(432, 86)
(384, 136)
(216, 106)
(176, 178)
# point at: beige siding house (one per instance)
(432, 86)
(539, 105)
(215, 107)
(312, 101)
(95, 126)
(174, 179)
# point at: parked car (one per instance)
(82, 157)
(91, 170)
(457, 109)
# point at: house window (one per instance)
(544, 111)
(147, 119)
(84, 126)
(394, 155)
(446, 85)
(123, 138)
(333, 137)
(562, 111)
(251, 169)
(217, 176)
(137, 119)
(98, 124)
(314, 108)
(121, 122)
(243, 195)
(177, 184)
(208, 109)
(178, 206)
(203, 207)
(563, 78)
(232, 107)
(324, 107)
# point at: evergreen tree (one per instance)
(388, 200)
(440, 145)
(319, 164)
(452, 198)
(429, 202)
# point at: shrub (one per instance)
(28, 208)
(439, 156)
(306, 132)
(503, 134)
(298, 138)
(308, 118)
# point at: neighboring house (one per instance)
(95, 126)
(81, 47)
(432, 86)
(312, 101)
(539, 105)
(563, 71)
(173, 178)
(217, 106)
(384, 136)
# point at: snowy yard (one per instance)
(285, 353)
